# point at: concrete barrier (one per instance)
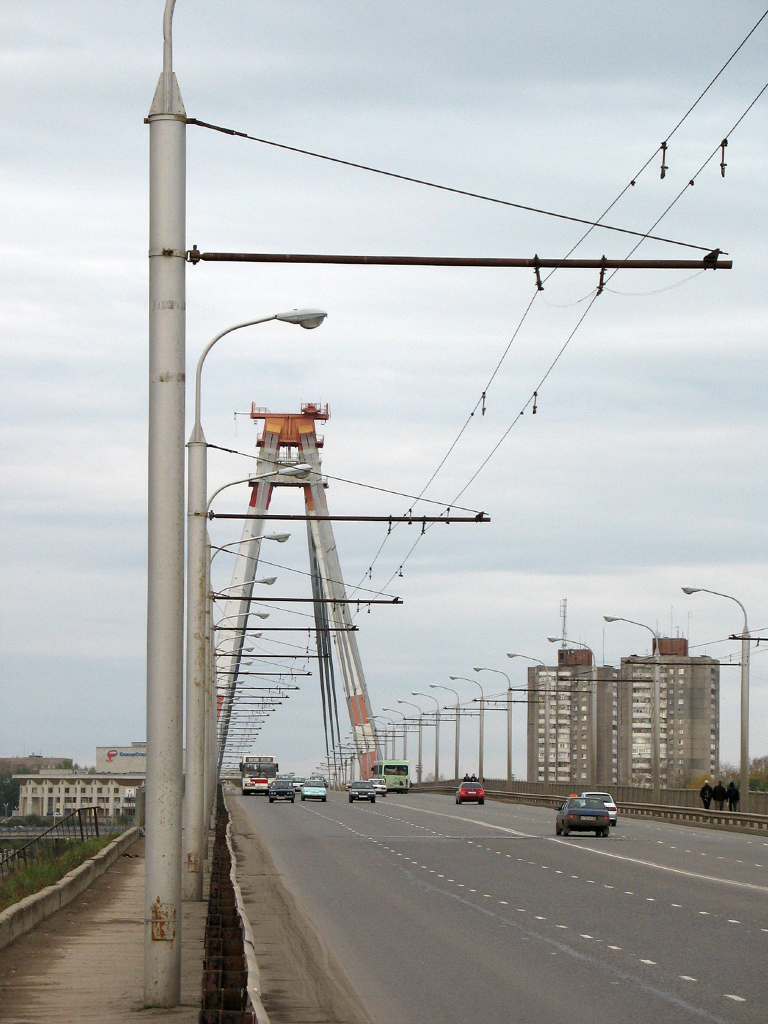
(29, 912)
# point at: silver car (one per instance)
(613, 812)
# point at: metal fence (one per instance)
(758, 800)
(76, 827)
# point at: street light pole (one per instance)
(656, 716)
(527, 657)
(165, 534)
(466, 679)
(509, 718)
(438, 686)
(410, 704)
(405, 733)
(418, 693)
(744, 787)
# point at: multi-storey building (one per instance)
(689, 718)
(560, 715)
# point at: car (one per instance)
(583, 814)
(362, 791)
(297, 783)
(320, 778)
(470, 792)
(281, 789)
(607, 799)
(314, 789)
(379, 785)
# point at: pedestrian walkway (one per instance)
(85, 964)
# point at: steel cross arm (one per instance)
(290, 629)
(710, 262)
(481, 517)
(258, 599)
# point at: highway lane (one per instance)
(446, 913)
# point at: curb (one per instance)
(254, 974)
(23, 916)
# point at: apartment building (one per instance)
(560, 721)
(689, 719)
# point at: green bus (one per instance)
(396, 774)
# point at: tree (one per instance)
(9, 791)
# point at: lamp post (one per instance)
(592, 772)
(527, 657)
(197, 507)
(165, 534)
(656, 712)
(410, 704)
(481, 739)
(509, 718)
(405, 732)
(418, 693)
(744, 787)
(438, 686)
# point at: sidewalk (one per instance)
(85, 964)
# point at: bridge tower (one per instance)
(288, 438)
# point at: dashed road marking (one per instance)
(736, 999)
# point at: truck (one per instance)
(256, 773)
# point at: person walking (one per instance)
(706, 794)
(719, 794)
(733, 796)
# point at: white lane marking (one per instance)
(538, 918)
(704, 912)
(473, 890)
(659, 867)
(736, 999)
(678, 905)
(647, 961)
(585, 936)
(503, 903)
(686, 977)
(732, 920)
(650, 899)
(627, 892)
(614, 947)
(561, 926)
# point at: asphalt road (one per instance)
(442, 914)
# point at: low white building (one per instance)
(119, 773)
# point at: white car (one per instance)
(379, 785)
(608, 800)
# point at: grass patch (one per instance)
(47, 871)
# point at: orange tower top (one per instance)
(289, 426)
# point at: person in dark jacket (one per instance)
(719, 793)
(706, 795)
(733, 796)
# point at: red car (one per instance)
(470, 791)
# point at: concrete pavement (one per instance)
(85, 964)
(438, 913)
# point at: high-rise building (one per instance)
(560, 713)
(689, 719)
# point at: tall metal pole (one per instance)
(456, 742)
(744, 780)
(480, 773)
(509, 735)
(437, 744)
(418, 766)
(165, 568)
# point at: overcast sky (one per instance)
(644, 467)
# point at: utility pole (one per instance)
(165, 584)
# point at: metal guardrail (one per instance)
(728, 820)
(78, 826)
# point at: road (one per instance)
(441, 914)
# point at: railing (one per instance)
(713, 818)
(78, 826)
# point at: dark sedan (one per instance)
(281, 789)
(470, 792)
(362, 791)
(583, 814)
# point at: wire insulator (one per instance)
(723, 164)
(664, 167)
(535, 397)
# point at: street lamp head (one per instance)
(477, 668)
(302, 470)
(553, 639)
(691, 590)
(281, 538)
(610, 618)
(261, 615)
(267, 580)
(307, 318)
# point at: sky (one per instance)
(641, 470)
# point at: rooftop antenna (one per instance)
(563, 616)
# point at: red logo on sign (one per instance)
(111, 755)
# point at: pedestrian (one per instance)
(706, 794)
(474, 778)
(719, 793)
(733, 796)
(467, 778)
